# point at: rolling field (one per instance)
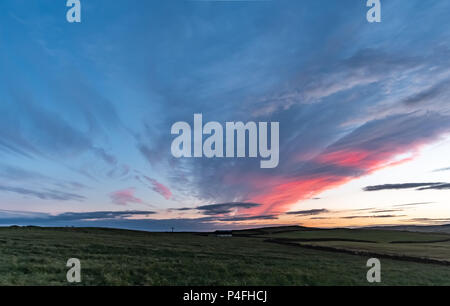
(413, 245)
(38, 256)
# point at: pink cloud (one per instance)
(123, 197)
(159, 188)
(374, 147)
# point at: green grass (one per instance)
(421, 245)
(438, 251)
(37, 256)
(361, 234)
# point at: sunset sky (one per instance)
(87, 109)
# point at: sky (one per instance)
(87, 110)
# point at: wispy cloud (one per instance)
(99, 215)
(70, 218)
(436, 221)
(372, 216)
(419, 186)
(225, 208)
(442, 169)
(413, 204)
(309, 212)
(124, 197)
(431, 93)
(249, 218)
(46, 194)
(159, 188)
(436, 187)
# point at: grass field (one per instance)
(38, 256)
(433, 246)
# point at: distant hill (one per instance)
(416, 228)
(409, 228)
(273, 230)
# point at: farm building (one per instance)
(223, 233)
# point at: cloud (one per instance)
(159, 188)
(417, 186)
(436, 187)
(309, 212)
(22, 176)
(124, 197)
(37, 131)
(433, 221)
(18, 174)
(98, 215)
(429, 94)
(379, 211)
(45, 219)
(23, 215)
(225, 208)
(46, 194)
(372, 216)
(64, 130)
(108, 158)
(365, 67)
(71, 216)
(442, 169)
(249, 218)
(369, 148)
(413, 204)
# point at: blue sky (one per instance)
(87, 110)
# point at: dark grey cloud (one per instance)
(183, 209)
(97, 215)
(442, 169)
(46, 194)
(436, 187)
(413, 204)
(29, 218)
(372, 216)
(309, 212)
(20, 217)
(431, 219)
(429, 94)
(375, 212)
(224, 208)
(249, 218)
(401, 186)
(381, 211)
(224, 212)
